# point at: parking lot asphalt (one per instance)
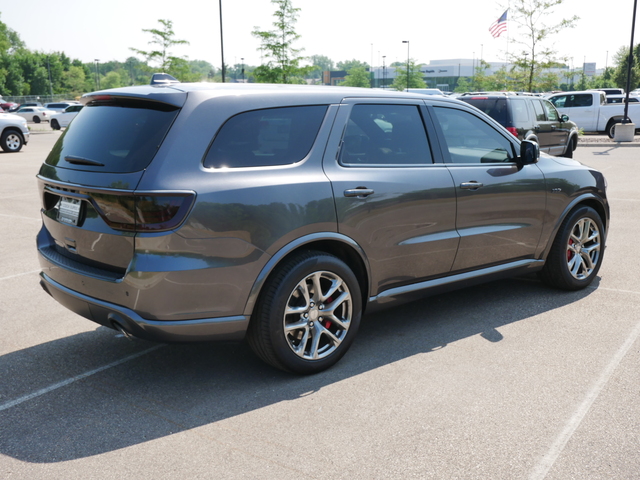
(508, 380)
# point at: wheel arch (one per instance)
(341, 246)
(585, 200)
(14, 130)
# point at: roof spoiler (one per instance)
(163, 79)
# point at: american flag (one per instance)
(499, 25)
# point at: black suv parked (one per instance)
(192, 212)
(530, 118)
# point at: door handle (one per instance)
(358, 192)
(471, 185)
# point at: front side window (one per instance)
(259, 138)
(471, 140)
(560, 101)
(539, 110)
(385, 135)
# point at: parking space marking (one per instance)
(545, 464)
(21, 217)
(82, 376)
(19, 275)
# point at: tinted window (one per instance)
(276, 136)
(539, 111)
(470, 139)
(520, 112)
(385, 135)
(122, 135)
(496, 108)
(560, 101)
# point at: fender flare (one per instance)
(275, 260)
(573, 204)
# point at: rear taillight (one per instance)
(513, 130)
(150, 212)
(131, 212)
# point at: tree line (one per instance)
(25, 72)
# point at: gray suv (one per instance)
(279, 214)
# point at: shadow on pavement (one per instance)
(180, 387)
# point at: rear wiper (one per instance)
(82, 161)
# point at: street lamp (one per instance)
(242, 60)
(407, 42)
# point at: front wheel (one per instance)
(11, 141)
(308, 314)
(576, 254)
(55, 125)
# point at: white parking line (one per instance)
(545, 464)
(19, 275)
(68, 381)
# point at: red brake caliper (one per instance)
(570, 252)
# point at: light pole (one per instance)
(97, 74)
(242, 60)
(407, 42)
(221, 42)
(384, 72)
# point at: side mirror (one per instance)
(529, 152)
(564, 118)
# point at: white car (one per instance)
(60, 120)
(59, 107)
(35, 114)
(13, 132)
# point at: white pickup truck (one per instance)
(13, 132)
(591, 112)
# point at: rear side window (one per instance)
(260, 138)
(116, 135)
(496, 108)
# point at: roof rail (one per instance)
(163, 79)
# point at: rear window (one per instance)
(275, 136)
(496, 108)
(115, 135)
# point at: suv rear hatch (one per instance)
(90, 207)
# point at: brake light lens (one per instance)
(513, 130)
(152, 212)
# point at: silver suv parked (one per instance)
(190, 212)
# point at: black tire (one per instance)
(314, 340)
(573, 141)
(611, 128)
(11, 141)
(576, 254)
(55, 125)
(36, 120)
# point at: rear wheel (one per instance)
(36, 120)
(576, 254)
(307, 315)
(11, 141)
(55, 125)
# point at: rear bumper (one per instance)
(110, 315)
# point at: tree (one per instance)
(162, 57)
(320, 64)
(357, 77)
(530, 15)
(283, 60)
(622, 67)
(349, 64)
(415, 77)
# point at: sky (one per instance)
(339, 29)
